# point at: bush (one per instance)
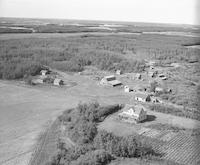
(97, 157)
(15, 70)
(95, 147)
(121, 146)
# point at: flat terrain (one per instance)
(25, 111)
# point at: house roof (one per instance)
(111, 76)
(133, 110)
(44, 71)
(115, 82)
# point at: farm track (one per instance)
(49, 135)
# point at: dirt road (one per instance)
(25, 111)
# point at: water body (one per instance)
(175, 33)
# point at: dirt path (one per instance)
(25, 110)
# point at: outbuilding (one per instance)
(162, 76)
(159, 90)
(110, 80)
(118, 72)
(44, 72)
(58, 82)
(37, 81)
(138, 76)
(152, 73)
(127, 89)
(142, 97)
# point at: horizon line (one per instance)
(98, 20)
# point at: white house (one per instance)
(135, 113)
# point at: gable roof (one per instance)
(115, 82)
(109, 78)
(133, 110)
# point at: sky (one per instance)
(158, 11)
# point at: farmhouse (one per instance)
(142, 97)
(135, 113)
(110, 80)
(58, 82)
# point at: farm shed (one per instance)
(138, 76)
(37, 81)
(142, 97)
(152, 73)
(155, 100)
(110, 80)
(44, 72)
(159, 90)
(162, 76)
(118, 72)
(127, 89)
(135, 113)
(58, 82)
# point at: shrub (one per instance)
(97, 157)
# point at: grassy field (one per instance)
(21, 125)
(25, 55)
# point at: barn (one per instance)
(118, 72)
(110, 80)
(44, 72)
(142, 97)
(58, 82)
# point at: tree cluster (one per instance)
(93, 146)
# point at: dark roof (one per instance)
(115, 82)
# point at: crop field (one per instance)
(180, 147)
(176, 146)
